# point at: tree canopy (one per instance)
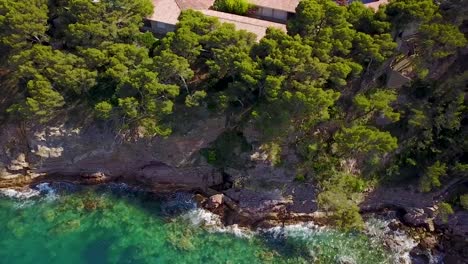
(319, 89)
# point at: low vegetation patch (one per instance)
(239, 7)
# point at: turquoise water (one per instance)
(114, 224)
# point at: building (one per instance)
(275, 10)
(374, 4)
(265, 14)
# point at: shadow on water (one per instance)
(286, 246)
(97, 251)
(125, 224)
(167, 206)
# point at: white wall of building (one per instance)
(272, 13)
(160, 27)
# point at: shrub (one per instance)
(345, 213)
(103, 110)
(240, 7)
(273, 150)
(445, 210)
(464, 201)
(431, 179)
(300, 177)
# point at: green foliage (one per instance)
(23, 23)
(195, 98)
(66, 72)
(444, 211)
(431, 178)
(211, 156)
(318, 84)
(464, 201)
(364, 140)
(89, 23)
(240, 7)
(273, 151)
(340, 197)
(227, 149)
(172, 68)
(403, 12)
(103, 110)
(379, 102)
(42, 102)
(300, 177)
(432, 127)
(129, 107)
(441, 40)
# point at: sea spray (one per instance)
(20, 194)
(396, 241)
(211, 222)
(47, 191)
(135, 221)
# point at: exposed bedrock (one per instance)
(94, 155)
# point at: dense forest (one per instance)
(320, 88)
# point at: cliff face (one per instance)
(97, 153)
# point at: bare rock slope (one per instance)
(99, 154)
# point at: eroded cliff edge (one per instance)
(94, 152)
(251, 193)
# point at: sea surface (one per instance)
(64, 223)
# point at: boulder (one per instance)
(94, 177)
(416, 217)
(428, 242)
(160, 175)
(214, 201)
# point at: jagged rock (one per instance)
(417, 217)
(95, 177)
(215, 201)
(236, 177)
(19, 163)
(303, 198)
(67, 150)
(251, 134)
(428, 242)
(200, 199)
(158, 175)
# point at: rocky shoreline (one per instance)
(254, 194)
(432, 238)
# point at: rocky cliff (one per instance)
(95, 153)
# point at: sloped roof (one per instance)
(195, 4)
(253, 25)
(376, 4)
(166, 11)
(285, 5)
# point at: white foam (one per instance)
(23, 194)
(47, 190)
(40, 190)
(212, 223)
(302, 230)
(397, 241)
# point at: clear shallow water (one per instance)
(114, 224)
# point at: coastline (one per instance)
(227, 216)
